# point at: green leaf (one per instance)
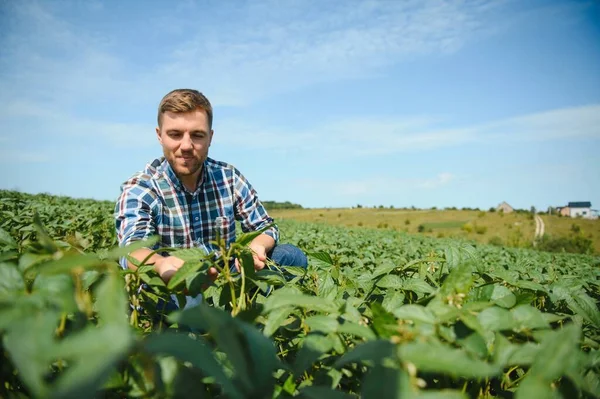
(225, 330)
(284, 297)
(390, 281)
(321, 256)
(275, 319)
(270, 277)
(319, 392)
(528, 317)
(385, 383)
(503, 297)
(535, 387)
(324, 324)
(393, 300)
(313, 347)
(6, 241)
(371, 351)
(11, 280)
(415, 313)
(496, 319)
(440, 358)
(459, 281)
(246, 238)
(441, 394)
(186, 271)
(585, 306)
(418, 286)
(262, 353)
(457, 253)
(29, 341)
(194, 351)
(509, 354)
(92, 354)
(86, 261)
(190, 254)
(529, 285)
(358, 330)
(247, 263)
(111, 301)
(384, 268)
(56, 289)
(560, 346)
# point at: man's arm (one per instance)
(134, 222)
(165, 266)
(260, 247)
(253, 216)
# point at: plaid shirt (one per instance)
(156, 202)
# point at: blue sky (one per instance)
(322, 103)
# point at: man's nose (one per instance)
(186, 142)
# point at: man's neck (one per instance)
(190, 182)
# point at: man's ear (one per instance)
(158, 135)
(211, 137)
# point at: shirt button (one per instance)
(196, 218)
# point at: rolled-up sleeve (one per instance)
(249, 210)
(133, 211)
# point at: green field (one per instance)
(380, 313)
(513, 229)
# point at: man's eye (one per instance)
(198, 136)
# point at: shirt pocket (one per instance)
(170, 228)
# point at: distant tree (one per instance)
(532, 210)
(492, 209)
(280, 205)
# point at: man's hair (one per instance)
(185, 100)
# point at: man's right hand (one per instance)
(166, 267)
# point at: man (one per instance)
(188, 198)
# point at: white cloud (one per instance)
(247, 53)
(440, 180)
(24, 156)
(363, 189)
(279, 48)
(365, 137)
(566, 123)
(61, 73)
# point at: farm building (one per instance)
(580, 209)
(504, 207)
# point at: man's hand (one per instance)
(259, 254)
(166, 267)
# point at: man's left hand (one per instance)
(259, 254)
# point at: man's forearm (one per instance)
(141, 254)
(165, 266)
(265, 241)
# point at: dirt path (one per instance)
(539, 227)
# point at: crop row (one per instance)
(377, 314)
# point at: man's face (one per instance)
(185, 138)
